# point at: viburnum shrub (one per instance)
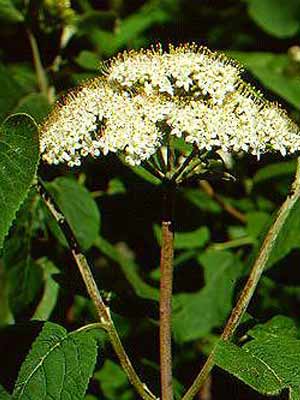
(178, 113)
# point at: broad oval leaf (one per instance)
(19, 156)
(58, 366)
(195, 314)
(269, 362)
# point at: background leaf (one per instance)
(80, 209)
(34, 104)
(274, 71)
(286, 240)
(277, 17)
(3, 394)
(50, 291)
(9, 13)
(132, 26)
(116, 388)
(275, 171)
(197, 313)
(129, 269)
(187, 240)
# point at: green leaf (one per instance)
(18, 92)
(278, 326)
(115, 186)
(79, 208)
(113, 382)
(279, 18)
(9, 13)
(10, 92)
(144, 174)
(286, 240)
(58, 366)
(201, 200)
(6, 316)
(24, 275)
(273, 70)
(133, 26)
(24, 75)
(275, 171)
(88, 60)
(129, 269)
(248, 368)
(50, 292)
(270, 362)
(4, 395)
(25, 280)
(187, 240)
(197, 313)
(34, 104)
(19, 156)
(256, 223)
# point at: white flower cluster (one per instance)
(187, 91)
(185, 70)
(98, 119)
(240, 124)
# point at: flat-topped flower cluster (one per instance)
(146, 95)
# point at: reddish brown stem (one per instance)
(208, 189)
(165, 302)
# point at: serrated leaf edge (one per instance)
(36, 168)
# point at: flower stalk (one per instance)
(166, 286)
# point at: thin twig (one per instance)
(251, 284)
(206, 390)
(181, 169)
(153, 171)
(170, 155)
(161, 160)
(208, 189)
(231, 244)
(89, 327)
(165, 300)
(93, 291)
(39, 69)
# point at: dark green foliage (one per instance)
(9, 12)
(117, 387)
(50, 291)
(275, 71)
(276, 17)
(196, 314)
(3, 394)
(114, 212)
(79, 208)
